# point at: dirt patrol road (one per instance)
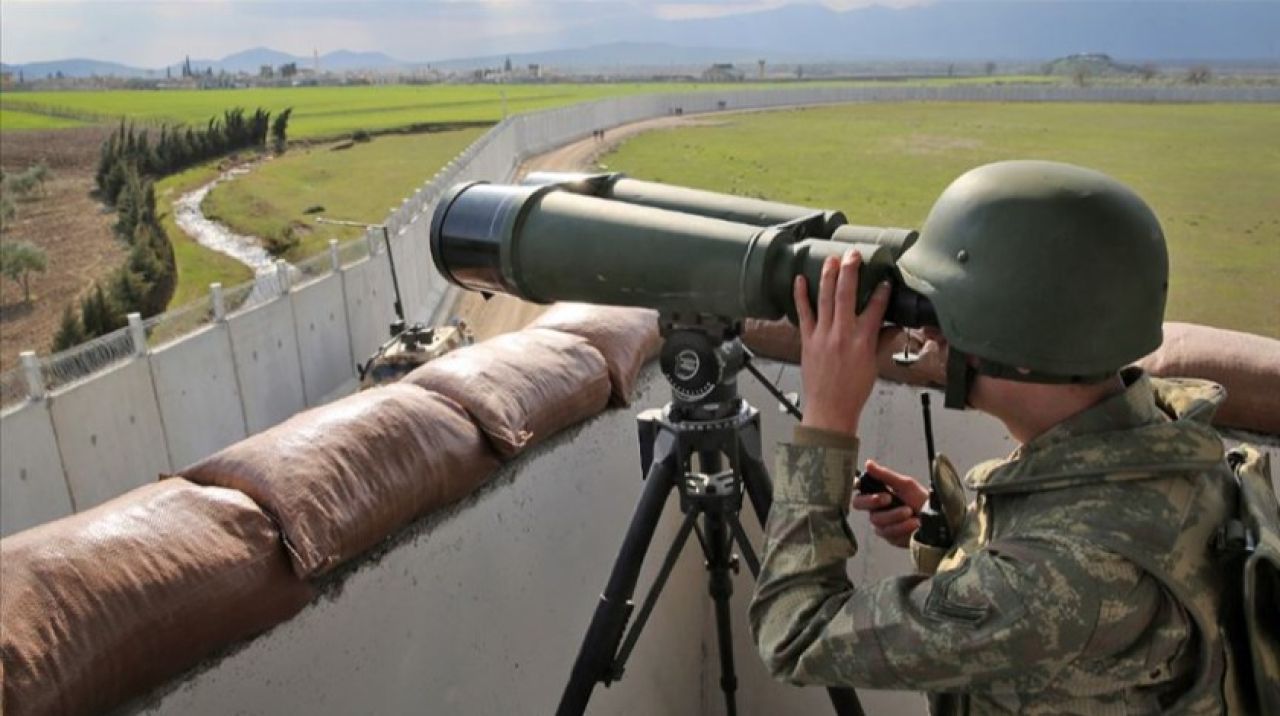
(503, 314)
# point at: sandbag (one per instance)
(775, 340)
(626, 337)
(341, 477)
(521, 387)
(1247, 365)
(101, 607)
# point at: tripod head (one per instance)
(701, 358)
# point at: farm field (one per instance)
(1209, 171)
(14, 120)
(67, 223)
(359, 183)
(332, 111)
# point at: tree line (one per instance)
(175, 149)
(129, 162)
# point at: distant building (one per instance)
(722, 72)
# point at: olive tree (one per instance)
(18, 259)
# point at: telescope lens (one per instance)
(467, 234)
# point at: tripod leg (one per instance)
(755, 478)
(744, 545)
(719, 545)
(595, 658)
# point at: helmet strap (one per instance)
(959, 378)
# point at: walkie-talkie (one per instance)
(868, 485)
(934, 530)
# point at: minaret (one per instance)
(315, 60)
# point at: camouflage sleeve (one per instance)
(1009, 617)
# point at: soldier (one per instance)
(1080, 580)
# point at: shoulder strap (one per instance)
(1254, 538)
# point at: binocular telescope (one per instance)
(608, 239)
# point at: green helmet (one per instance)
(1042, 266)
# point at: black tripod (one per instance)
(707, 419)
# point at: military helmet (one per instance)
(1042, 266)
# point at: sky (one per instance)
(154, 34)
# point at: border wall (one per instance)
(157, 409)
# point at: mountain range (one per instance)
(1132, 30)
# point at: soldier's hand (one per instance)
(892, 524)
(838, 346)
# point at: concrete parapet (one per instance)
(267, 363)
(198, 394)
(324, 343)
(367, 287)
(33, 486)
(109, 433)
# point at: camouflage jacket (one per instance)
(1081, 581)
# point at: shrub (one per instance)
(70, 331)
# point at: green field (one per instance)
(332, 111)
(15, 120)
(361, 183)
(1211, 173)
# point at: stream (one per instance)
(248, 250)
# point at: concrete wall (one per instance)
(180, 402)
(481, 610)
(299, 350)
(33, 485)
(199, 396)
(109, 433)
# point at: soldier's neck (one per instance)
(1029, 409)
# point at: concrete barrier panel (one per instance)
(198, 395)
(266, 359)
(33, 487)
(370, 305)
(323, 341)
(482, 610)
(109, 433)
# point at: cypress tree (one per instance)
(70, 331)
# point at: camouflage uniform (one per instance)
(1081, 581)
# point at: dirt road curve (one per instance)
(502, 314)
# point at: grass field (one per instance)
(1211, 173)
(361, 183)
(197, 266)
(331, 111)
(15, 120)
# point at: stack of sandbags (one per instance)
(523, 387)
(342, 477)
(627, 338)
(1248, 366)
(101, 606)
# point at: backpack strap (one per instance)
(1253, 537)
